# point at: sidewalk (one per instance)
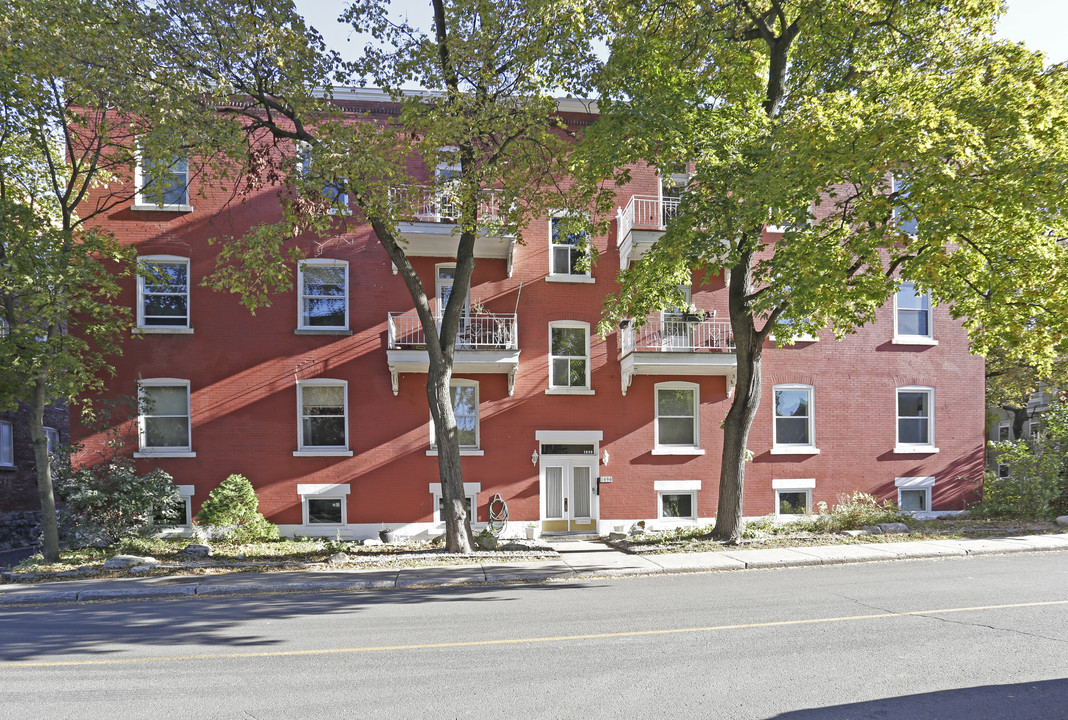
(578, 560)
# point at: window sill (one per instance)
(162, 330)
(678, 451)
(164, 454)
(799, 450)
(913, 340)
(322, 331)
(10, 467)
(570, 279)
(142, 207)
(570, 391)
(915, 449)
(464, 452)
(337, 452)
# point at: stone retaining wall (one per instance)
(19, 529)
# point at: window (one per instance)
(1004, 432)
(912, 316)
(569, 357)
(164, 426)
(793, 497)
(7, 444)
(324, 504)
(471, 491)
(915, 419)
(673, 182)
(162, 185)
(163, 293)
(322, 409)
(676, 499)
(332, 192)
(179, 512)
(53, 439)
(914, 493)
(903, 215)
(677, 429)
(464, 395)
(568, 252)
(1003, 470)
(794, 427)
(324, 291)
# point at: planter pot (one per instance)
(692, 317)
(530, 533)
(385, 536)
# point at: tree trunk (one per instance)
(743, 410)
(458, 538)
(49, 525)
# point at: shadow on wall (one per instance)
(1023, 701)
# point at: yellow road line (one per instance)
(521, 641)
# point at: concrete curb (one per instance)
(584, 561)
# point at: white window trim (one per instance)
(178, 451)
(808, 448)
(803, 485)
(676, 487)
(321, 262)
(143, 204)
(927, 339)
(567, 389)
(586, 277)
(471, 490)
(468, 450)
(997, 431)
(321, 450)
(7, 448)
(186, 329)
(660, 449)
(339, 491)
(50, 433)
(915, 448)
(925, 484)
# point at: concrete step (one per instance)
(559, 537)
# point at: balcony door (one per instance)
(676, 334)
(446, 274)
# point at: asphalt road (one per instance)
(975, 638)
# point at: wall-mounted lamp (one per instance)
(604, 457)
(534, 458)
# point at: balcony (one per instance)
(486, 343)
(676, 345)
(428, 218)
(641, 224)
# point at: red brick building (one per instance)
(320, 399)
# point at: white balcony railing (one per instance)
(489, 331)
(419, 203)
(646, 212)
(676, 334)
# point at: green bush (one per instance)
(1036, 486)
(859, 509)
(110, 501)
(234, 506)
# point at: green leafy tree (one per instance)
(892, 140)
(1037, 485)
(487, 73)
(234, 505)
(1012, 381)
(75, 115)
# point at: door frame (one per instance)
(578, 437)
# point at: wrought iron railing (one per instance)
(488, 331)
(422, 203)
(677, 333)
(646, 212)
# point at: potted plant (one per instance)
(531, 528)
(692, 314)
(386, 534)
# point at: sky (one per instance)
(1039, 24)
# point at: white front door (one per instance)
(568, 493)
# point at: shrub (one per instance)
(859, 509)
(110, 501)
(234, 506)
(1036, 486)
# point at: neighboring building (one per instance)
(320, 399)
(1001, 424)
(20, 506)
